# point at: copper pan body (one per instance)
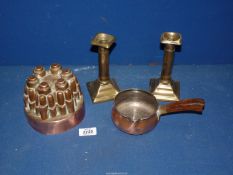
(136, 111)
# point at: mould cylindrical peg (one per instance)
(37, 105)
(73, 86)
(61, 84)
(71, 79)
(68, 94)
(70, 106)
(66, 74)
(25, 100)
(32, 81)
(61, 103)
(31, 95)
(44, 112)
(39, 71)
(60, 98)
(79, 90)
(30, 92)
(51, 102)
(69, 101)
(55, 68)
(44, 88)
(42, 100)
(62, 110)
(53, 112)
(52, 106)
(32, 106)
(32, 99)
(43, 107)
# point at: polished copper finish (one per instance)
(136, 111)
(53, 100)
(164, 88)
(103, 89)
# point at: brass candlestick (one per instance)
(104, 88)
(164, 88)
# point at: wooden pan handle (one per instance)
(192, 105)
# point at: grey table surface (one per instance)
(180, 144)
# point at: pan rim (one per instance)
(141, 91)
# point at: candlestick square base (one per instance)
(102, 91)
(165, 90)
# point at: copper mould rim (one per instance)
(155, 114)
(49, 127)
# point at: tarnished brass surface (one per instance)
(164, 88)
(103, 40)
(53, 100)
(103, 89)
(165, 91)
(171, 38)
(101, 92)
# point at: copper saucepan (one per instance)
(136, 111)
